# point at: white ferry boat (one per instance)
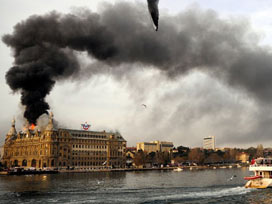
(262, 178)
(178, 169)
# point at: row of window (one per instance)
(89, 136)
(45, 152)
(89, 153)
(90, 158)
(21, 153)
(89, 146)
(31, 147)
(94, 142)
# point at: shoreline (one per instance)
(181, 168)
(186, 168)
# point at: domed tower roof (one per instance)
(12, 133)
(12, 130)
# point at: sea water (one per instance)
(196, 186)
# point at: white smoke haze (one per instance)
(193, 107)
(42, 122)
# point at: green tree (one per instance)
(196, 155)
(213, 158)
(163, 158)
(252, 152)
(140, 158)
(151, 158)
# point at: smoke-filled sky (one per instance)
(207, 71)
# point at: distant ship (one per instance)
(178, 169)
(262, 178)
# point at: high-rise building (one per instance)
(63, 148)
(209, 142)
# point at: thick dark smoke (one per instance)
(44, 49)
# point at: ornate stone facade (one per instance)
(63, 148)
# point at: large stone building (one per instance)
(155, 146)
(63, 148)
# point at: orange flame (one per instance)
(32, 126)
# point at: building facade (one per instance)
(1, 152)
(243, 157)
(63, 148)
(155, 146)
(209, 142)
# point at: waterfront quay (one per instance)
(190, 168)
(88, 170)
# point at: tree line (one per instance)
(198, 156)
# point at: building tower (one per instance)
(209, 142)
(50, 125)
(12, 134)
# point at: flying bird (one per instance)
(230, 179)
(144, 105)
(154, 12)
(100, 182)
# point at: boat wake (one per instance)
(156, 195)
(204, 193)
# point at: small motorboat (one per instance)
(178, 169)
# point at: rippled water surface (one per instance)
(205, 186)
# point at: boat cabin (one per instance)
(263, 162)
(262, 170)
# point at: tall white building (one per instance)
(209, 142)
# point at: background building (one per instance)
(209, 142)
(63, 148)
(242, 157)
(130, 154)
(155, 146)
(1, 152)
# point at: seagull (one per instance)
(230, 179)
(100, 182)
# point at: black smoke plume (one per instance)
(45, 49)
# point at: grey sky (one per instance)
(183, 111)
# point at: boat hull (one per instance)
(259, 183)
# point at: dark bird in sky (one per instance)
(154, 12)
(144, 105)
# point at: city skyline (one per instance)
(182, 110)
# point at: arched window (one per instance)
(15, 162)
(24, 162)
(33, 163)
